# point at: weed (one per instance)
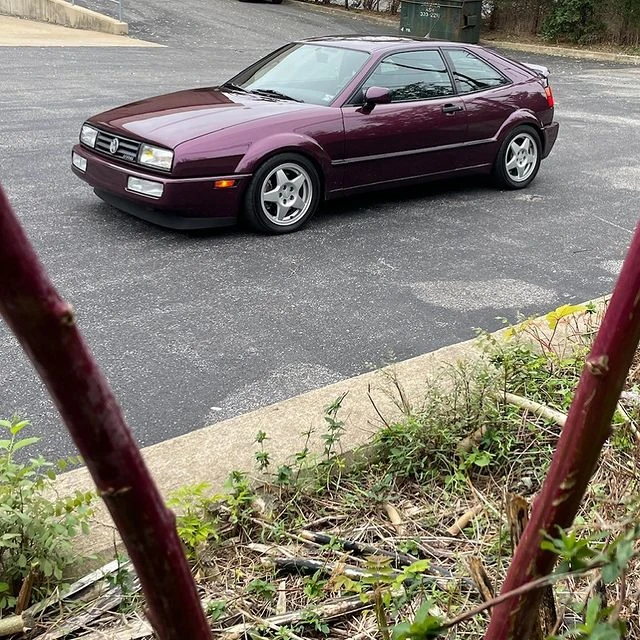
(240, 498)
(313, 620)
(424, 625)
(262, 589)
(216, 609)
(262, 456)
(123, 579)
(197, 526)
(314, 586)
(37, 531)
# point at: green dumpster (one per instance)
(457, 20)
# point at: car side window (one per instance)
(412, 75)
(471, 73)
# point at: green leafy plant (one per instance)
(123, 578)
(597, 625)
(240, 498)
(575, 553)
(262, 455)
(216, 609)
(37, 530)
(262, 589)
(424, 625)
(314, 586)
(197, 526)
(573, 21)
(311, 619)
(334, 428)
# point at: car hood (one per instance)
(171, 119)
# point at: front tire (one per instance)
(518, 159)
(283, 195)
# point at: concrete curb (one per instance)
(64, 14)
(211, 453)
(564, 52)
(20, 32)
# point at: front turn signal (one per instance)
(224, 184)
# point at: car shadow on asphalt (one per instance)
(352, 206)
(349, 208)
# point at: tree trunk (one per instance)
(46, 327)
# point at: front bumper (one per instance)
(185, 203)
(550, 135)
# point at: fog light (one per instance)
(145, 187)
(79, 162)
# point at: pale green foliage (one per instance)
(37, 529)
(196, 525)
(200, 513)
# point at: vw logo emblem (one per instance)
(113, 147)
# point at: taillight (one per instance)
(549, 94)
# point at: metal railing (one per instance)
(118, 2)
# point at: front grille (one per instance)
(127, 150)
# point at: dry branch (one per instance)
(395, 518)
(106, 602)
(327, 611)
(467, 444)
(517, 509)
(540, 410)
(399, 559)
(12, 625)
(131, 631)
(463, 521)
(481, 579)
(24, 597)
(281, 606)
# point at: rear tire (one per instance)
(518, 159)
(276, 1)
(283, 195)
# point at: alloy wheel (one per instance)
(521, 157)
(286, 194)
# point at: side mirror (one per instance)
(376, 95)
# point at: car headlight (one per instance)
(88, 135)
(155, 157)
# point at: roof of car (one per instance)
(377, 43)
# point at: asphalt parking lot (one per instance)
(191, 329)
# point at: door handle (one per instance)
(452, 108)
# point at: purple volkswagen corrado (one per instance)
(318, 119)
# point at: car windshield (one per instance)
(303, 72)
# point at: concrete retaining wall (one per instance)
(64, 14)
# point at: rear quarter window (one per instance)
(473, 74)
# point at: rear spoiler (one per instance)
(538, 69)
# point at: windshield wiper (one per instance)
(234, 87)
(272, 93)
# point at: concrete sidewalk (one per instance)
(211, 453)
(17, 32)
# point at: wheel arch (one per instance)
(518, 119)
(303, 146)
